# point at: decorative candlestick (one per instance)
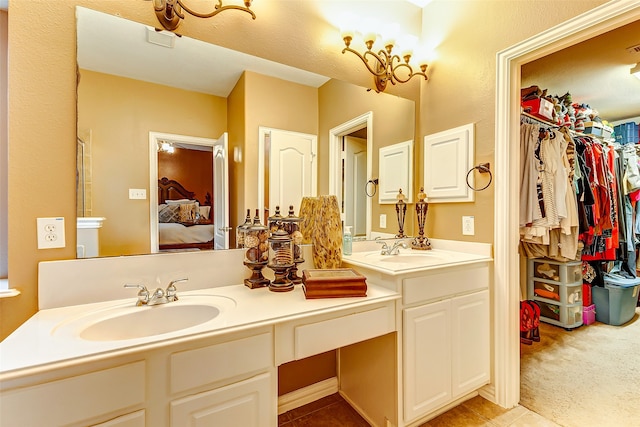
(256, 254)
(291, 224)
(401, 210)
(280, 261)
(421, 242)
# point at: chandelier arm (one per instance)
(366, 62)
(218, 8)
(412, 74)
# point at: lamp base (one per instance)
(421, 244)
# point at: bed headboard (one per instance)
(169, 189)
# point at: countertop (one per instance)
(33, 347)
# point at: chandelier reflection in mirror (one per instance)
(171, 12)
(386, 66)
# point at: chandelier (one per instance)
(171, 12)
(385, 65)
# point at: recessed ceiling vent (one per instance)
(634, 49)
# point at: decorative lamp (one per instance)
(421, 242)
(291, 224)
(385, 65)
(240, 231)
(171, 12)
(401, 210)
(280, 260)
(256, 253)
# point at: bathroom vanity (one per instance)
(444, 340)
(418, 341)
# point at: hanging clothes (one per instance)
(548, 208)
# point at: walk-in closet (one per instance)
(579, 231)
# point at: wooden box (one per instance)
(333, 283)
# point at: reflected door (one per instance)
(221, 193)
(292, 169)
(355, 180)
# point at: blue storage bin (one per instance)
(626, 133)
(616, 301)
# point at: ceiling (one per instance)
(117, 46)
(595, 71)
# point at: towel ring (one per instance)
(375, 187)
(483, 168)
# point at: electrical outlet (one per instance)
(383, 220)
(50, 233)
(137, 193)
(468, 226)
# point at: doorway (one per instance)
(506, 265)
(219, 178)
(350, 167)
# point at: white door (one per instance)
(221, 193)
(354, 182)
(292, 169)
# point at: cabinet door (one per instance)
(427, 358)
(471, 342)
(246, 403)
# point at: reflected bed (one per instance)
(184, 221)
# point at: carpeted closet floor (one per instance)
(589, 376)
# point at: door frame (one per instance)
(505, 387)
(335, 158)
(153, 176)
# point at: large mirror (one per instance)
(152, 105)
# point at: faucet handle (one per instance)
(171, 292)
(143, 293)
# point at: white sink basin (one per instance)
(126, 321)
(149, 321)
(407, 259)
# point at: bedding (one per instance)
(183, 222)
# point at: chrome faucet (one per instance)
(159, 296)
(394, 249)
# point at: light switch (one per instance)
(383, 220)
(137, 193)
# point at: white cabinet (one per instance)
(470, 342)
(81, 398)
(246, 403)
(427, 358)
(446, 351)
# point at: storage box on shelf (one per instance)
(594, 128)
(557, 287)
(627, 133)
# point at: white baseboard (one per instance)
(308, 394)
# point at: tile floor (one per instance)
(333, 411)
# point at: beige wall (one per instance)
(462, 84)
(42, 84)
(277, 104)
(118, 114)
(393, 122)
